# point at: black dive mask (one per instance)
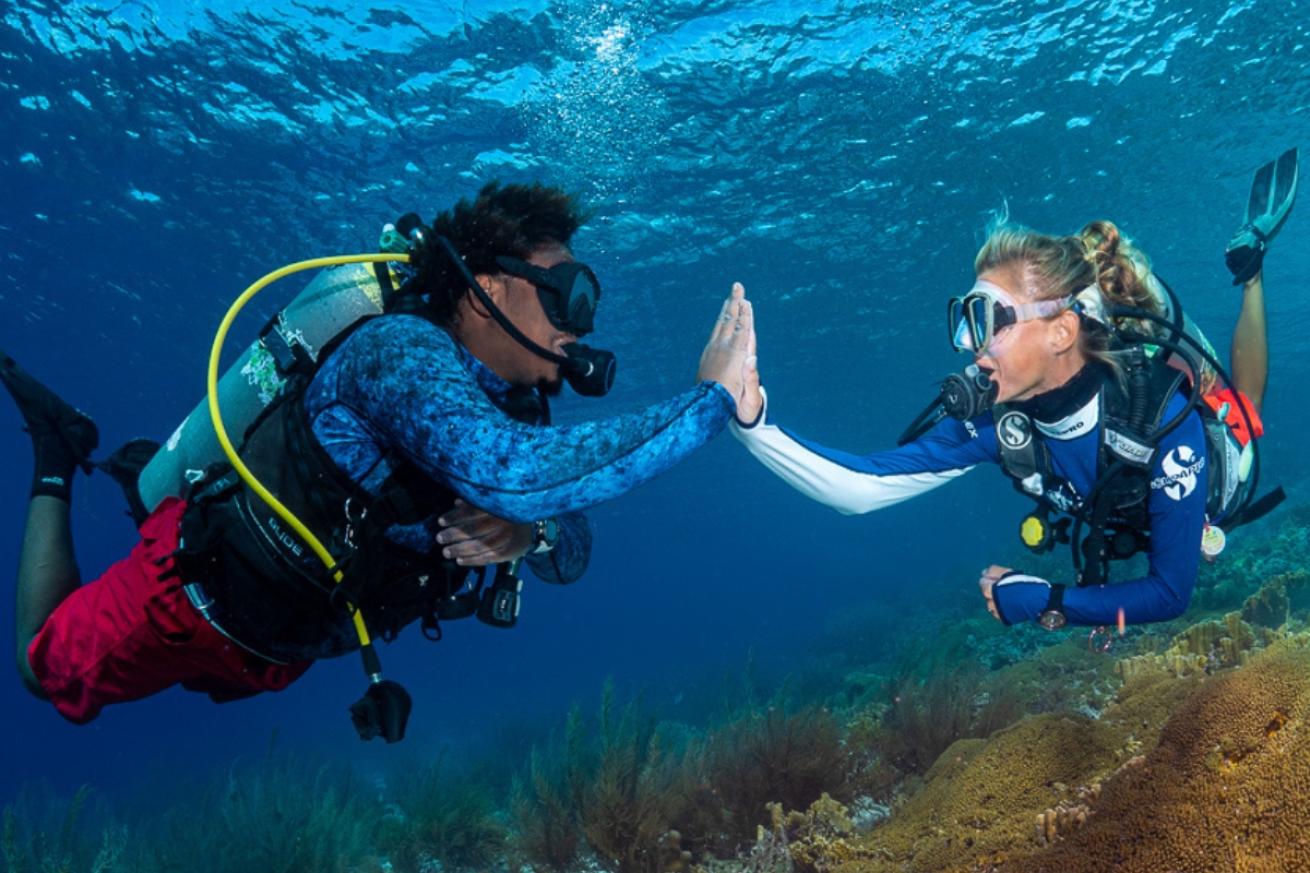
(590, 372)
(568, 292)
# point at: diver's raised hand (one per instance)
(474, 538)
(729, 355)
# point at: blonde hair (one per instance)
(1052, 267)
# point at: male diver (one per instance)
(1099, 401)
(401, 416)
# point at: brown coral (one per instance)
(818, 840)
(1225, 789)
(1067, 816)
(979, 799)
(1205, 647)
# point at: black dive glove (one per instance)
(1245, 255)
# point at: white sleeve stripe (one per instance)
(845, 490)
(1022, 578)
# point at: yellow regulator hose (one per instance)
(237, 464)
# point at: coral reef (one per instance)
(1188, 752)
(979, 799)
(1225, 788)
(1207, 646)
(1067, 815)
(818, 839)
(815, 841)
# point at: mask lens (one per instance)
(582, 302)
(978, 313)
(956, 328)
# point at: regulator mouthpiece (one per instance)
(590, 372)
(969, 394)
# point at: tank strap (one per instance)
(383, 274)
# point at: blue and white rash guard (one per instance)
(853, 484)
(402, 385)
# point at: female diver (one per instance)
(1098, 399)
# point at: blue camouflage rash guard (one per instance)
(402, 386)
(854, 483)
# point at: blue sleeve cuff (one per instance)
(1020, 598)
(726, 400)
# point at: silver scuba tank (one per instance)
(333, 301)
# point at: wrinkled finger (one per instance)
(744, 327)
(723, 322)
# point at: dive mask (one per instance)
(974, 319)
(568, 292)
(590, 372)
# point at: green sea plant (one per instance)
(925, 716)
(42, 833)
(288, 816)
(445, 816)
(282, 814)
(627, 807)
(617, 789)
(546, 802)
(774, 755)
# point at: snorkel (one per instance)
(589, 371)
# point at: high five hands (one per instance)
(729, 357)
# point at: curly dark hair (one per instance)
(513, 220)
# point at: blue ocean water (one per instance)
(840, 160)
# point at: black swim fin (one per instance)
(45, 414)
(1273, 191)
(63, 437)
(124, 466)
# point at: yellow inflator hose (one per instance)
(216, 415)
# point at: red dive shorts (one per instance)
(132, 633)
(1234, 419)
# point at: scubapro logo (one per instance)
(1181, 467)
(1014, 430)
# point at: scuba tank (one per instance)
(333, 301)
